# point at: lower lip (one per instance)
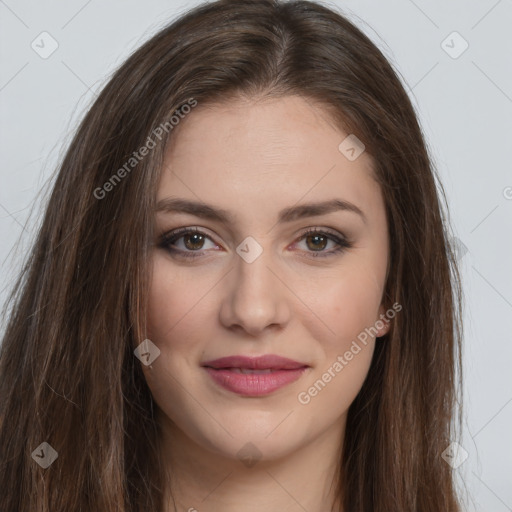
(254, 384)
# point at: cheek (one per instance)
(175, 304)
(348, 310)
(175, 317)
(344, 304)
(173, 321)
(331, 391)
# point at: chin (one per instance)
(253, 435)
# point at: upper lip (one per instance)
(268, 361)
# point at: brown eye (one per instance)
(186, 242)
(193, 241)
(316, 242)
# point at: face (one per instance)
(244, 277)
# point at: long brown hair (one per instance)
(68, 374)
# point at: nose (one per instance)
(255, 298)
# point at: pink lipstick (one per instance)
(254, 376)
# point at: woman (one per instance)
(241, 295)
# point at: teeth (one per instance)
(249, 371)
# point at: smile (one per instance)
(254, 376)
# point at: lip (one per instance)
(268, 373)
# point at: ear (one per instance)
(383, 324)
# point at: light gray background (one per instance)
(465, 107)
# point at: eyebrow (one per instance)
(290, 214)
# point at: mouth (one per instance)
(254, 376)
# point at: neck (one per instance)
(205, 481)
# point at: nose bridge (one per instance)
(255, 298)
(254, 278)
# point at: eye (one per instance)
(193, 241)
(190, 242)
(316, 240)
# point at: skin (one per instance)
(254, 158)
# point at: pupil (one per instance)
(317, 238)
(196, 243)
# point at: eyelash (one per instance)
(168, 239)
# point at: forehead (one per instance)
(274, 150)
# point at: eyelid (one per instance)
(177, 233)
(322, 230)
